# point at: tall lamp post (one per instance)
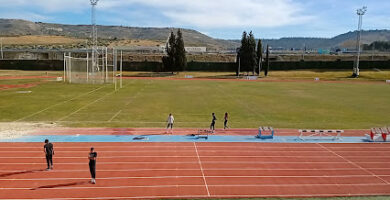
(94, 36)
(360, 12)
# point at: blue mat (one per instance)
(178, 138)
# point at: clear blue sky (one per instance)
(225, 19)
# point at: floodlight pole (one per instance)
(360, 12)
(94, 36)
(1, 46)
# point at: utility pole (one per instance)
(94, 37)
(1, 48)
(360, 12)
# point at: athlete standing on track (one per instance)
(212, 125)
(92, 164)
(170, 121)
(226, 117)
(49, 152)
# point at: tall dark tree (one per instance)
(170, 48)
(259, 55)
(251, 53)
(180, 53)
(266, 69)
(243, 53)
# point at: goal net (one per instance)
(85, 68)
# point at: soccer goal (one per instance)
(97, 67)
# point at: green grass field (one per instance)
(146, 103)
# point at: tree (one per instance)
(175, 60)
(266, 62)
(259, 55)
(242, 61)
(247, 53)
(180, 53)
(170, 48)
(251, 53)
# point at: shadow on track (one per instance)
(60, 185)
(21, 172)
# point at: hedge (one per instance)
(200, 66)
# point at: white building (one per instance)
(195, 49)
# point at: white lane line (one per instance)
(213, 151)
(47, 108)
(176, 177)
(81, 108)
(115, 115)
(69, 157)
(192, 162)
(354, 163)
(201, 169)
(208, 169)
(221, 196)
(191, 146)
(175, 186)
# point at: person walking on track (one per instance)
(226, 117)
(49, 152)
(92, 164)
(212, 125)
(170, 122)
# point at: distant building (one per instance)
(195, 49)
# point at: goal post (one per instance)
(99, 68)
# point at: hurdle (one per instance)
(319, 134)
(379, 135)
(203, 134)
(264, 130)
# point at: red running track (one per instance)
(195, 170)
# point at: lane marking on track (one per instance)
(115, 115)
(106, 157)
(218, 196)
(175, 186)
(47, 108)
(190, 162)
(201, 169)
(86, 105)
(142, 146)
(354, 163)
(213, 151)
(207, 169)
(176, 177)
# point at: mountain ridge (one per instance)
(18, 27)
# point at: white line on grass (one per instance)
(238, 100)
(201, 169)
(47, 108)
(115, 115)
(86, 106)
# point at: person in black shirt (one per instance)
(226, 118)
(49, 152)
(212, 125)
(92, 164)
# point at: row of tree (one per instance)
(175, 60)
(250, 59)
(378, 46)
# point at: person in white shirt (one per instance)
(170, 121)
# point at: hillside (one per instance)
(346, 40)
(12, 27)
(137, 36)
